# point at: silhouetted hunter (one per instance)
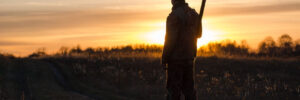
(180, 48)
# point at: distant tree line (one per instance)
(5, 55)
(119, 49)
(226, 47)
(285, 46)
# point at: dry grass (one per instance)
(217, 78)
(141, 77)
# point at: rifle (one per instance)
(200, 18)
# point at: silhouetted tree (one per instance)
(127, 48)
(297, 48)
(244, 47)
(6, 55)
(267, 47)
(229, 47)
(89, 51)
(232, 48)
(244, 44)
(226, 47)
(285, 41)
(285, 44)
(213, 48)
(63, 51)
(99, 50)
(77, 49)
(40, 52)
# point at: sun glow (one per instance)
(207, 36)
(158, 37)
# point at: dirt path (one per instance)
(38, 80)
(71, 84)
(22, 78)
(61, 79)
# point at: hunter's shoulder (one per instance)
(173, 15)
(177, 12)
(191, 11)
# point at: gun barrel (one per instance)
(199, 34)
(202, 9)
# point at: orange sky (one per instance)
(26, 25)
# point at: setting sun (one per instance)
(158, 37)
(207, 36)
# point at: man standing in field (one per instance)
(180, 51)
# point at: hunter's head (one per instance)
(177, 1)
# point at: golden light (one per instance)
(208, 36)
(158, 36)
(155, 37)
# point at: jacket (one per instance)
(181, 34)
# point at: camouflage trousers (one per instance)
(180, 79)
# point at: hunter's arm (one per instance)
(172, 32)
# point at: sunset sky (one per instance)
(26, 25)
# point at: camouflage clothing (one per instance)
(181, 35)
(179, 52)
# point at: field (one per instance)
(143, 78)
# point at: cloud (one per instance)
(252, 10)
(13, 43)
(34, 21)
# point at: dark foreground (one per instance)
(142, 78)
